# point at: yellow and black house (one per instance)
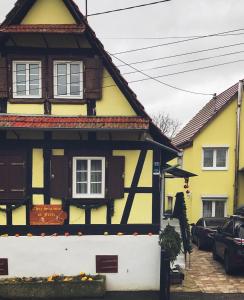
(80, 159)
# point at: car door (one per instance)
(223, 238)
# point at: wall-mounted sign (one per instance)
(156, 168)
(47, 215)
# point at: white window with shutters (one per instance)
(68, 79)
(88, 177)
(27, 79)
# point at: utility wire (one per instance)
(126, 8)
(159, 81)
(181, 54)
(176, 42)
(185, 62)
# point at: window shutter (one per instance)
(59, 176)
(3, 78)
(49, 78)
(93, 78)
(115, 184)
(3, 177)
(17, 177)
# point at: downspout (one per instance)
(237, 150)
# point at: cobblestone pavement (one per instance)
(205, 275)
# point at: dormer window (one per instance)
(27, 79)
(68, 79)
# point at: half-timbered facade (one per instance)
(80, 160)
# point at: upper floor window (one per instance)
(27, 79)
(68, 79)
(215, 158)
(88, 177)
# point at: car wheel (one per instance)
(199, 243)
(229, 269)
(214, 252)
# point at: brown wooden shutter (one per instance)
(59, 176)
(93, 78)
(50, 78)
(3, 177)
(115, 184)
(3, 78)
(17, 177)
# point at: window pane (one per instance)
(81, 176)
(62, 79)
(221, 157)
(81, 165)
(96, 188)
(34, 89)
(207, 208)
(21, 79)
(219, 209)
(96, 176)
(96, 165)
(34, 69)
(208, 158)
(75, 79)
(81, 188)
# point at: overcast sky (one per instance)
(177, 18)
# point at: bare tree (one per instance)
(169, 126)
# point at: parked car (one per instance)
(229, 244)
(202, 232)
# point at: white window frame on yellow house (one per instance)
(215, 148)
(214, 199)
(27, 81)
(68, 74)
(88, 194)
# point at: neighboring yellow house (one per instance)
(213, 152)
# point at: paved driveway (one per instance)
(208, 276)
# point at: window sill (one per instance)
(26, 101)
(68, 101)
(215, 169)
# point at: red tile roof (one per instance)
(46, 28)
(204, 116)
(51, 122)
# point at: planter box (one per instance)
(48, 290)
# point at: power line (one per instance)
(176, 42)
(185, 62)
(181, 54)
(126, 8)
(159, 81)
(167, 37)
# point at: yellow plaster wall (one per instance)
(113, 102)
(58, 152)
(26, 109)
(119, 206)
(3, 216)
(77, 216)
(42, 12)
(220, 132)
(141, 211)
(69, 110)
(19, 216)
(38, 199)
(99, 216)
(37, 168)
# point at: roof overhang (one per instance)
(178, 173)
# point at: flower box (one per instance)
(42, 288)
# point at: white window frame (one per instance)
(55, 72)
(214, 148)
(27, 83)
(215, 199)
(88, 194)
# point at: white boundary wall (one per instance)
(139, 258)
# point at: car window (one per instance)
(229, 227)
(215, 222)
(200, 222)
